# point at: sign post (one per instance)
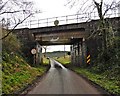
(56, 22)
(33, 51)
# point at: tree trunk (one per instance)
(103, 29)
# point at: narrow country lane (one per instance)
(63, 81)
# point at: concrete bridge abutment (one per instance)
(78, 53)
(38, 56)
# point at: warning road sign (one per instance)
(33, 51)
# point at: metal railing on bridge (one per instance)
(69, 19)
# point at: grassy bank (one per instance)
(111, 85)
(16, 71)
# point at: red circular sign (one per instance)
(33, 51)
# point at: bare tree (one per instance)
(102, 7)
(104, 28)
(88, 6)
(15, 12)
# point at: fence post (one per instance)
(66, 19)
(77, 18)
(38, 22)
(47, 21)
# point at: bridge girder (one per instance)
(59, 37)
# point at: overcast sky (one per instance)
(51, 8)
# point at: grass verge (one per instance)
(63, 60)
(45, 61)
(110, 85)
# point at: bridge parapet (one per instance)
(69, 19)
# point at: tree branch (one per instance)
(3, 5)
(83, 6)
(9, 12)
(16, 26)
(110, 7)
(99, 8)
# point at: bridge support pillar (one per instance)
(73, 54)
(84, 52)
(78, 53)
(71, 50)
(81, 53)
(79, 59)
(38, 54)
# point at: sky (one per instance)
(53, 8)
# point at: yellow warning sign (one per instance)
(88, 59)
(88, 56)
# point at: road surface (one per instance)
(63, 81)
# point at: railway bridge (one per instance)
(75, 34)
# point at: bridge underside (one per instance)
(72, 34)
(67, 37)
(75, 38)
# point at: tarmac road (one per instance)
(63, 81)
